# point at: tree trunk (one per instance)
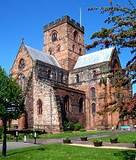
(4, 147)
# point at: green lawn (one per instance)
(72, 134)
(65, 152)
(128, 137)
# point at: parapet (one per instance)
(64, 19)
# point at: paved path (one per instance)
(75, 141)
(104, 147)
(16, 145)
(60, 140)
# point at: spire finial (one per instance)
(80, 17)
(110, 1)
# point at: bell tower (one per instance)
(64, 39)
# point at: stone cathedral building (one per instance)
(62, 82)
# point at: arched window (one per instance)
(81, 105)
(61, 77)
(58, 48)
(50, 51)
(55, 75)
(77, 78)
(75, 35)
(93, 109)
(73, 48)
(115, 65)
(22, 80)
(80, 51)
(39, 106)
(49, 74)
(93, 94)
(94, 74)
(66, 103)
(54, 36)
(21, 64)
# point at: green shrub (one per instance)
(71, 126)
(77, 126)
(10, 137)
(97, 140)
(21, 136)
(68, 126)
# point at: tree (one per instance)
(129, 111)
(11, 102)
(122, 34)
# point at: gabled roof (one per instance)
(41, 56)
(94, 58)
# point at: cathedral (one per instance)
(62, 82)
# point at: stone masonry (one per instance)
(62, 83)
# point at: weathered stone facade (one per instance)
(56, 89)
(69, 44)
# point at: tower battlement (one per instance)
(64, 19)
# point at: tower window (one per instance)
(73, 48)
(77, 78)
(80, 51)
(93, 109)
(75, 36)
(93, 94)
(50, 51)
(54, 36)
(21, 64)
(58, 48)
(39, 106)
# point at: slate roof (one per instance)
(41, 56)
(94, 58)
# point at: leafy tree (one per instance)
(122, 34)
(129, 111)
(11, 102)
(118, 99)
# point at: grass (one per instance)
(126, 137)
(65, 152)
(71, 134)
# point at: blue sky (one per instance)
(26, 18)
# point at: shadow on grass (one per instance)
(25, 150)
(126, 155)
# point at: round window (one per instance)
(21, 64)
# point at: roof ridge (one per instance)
(33, 48)
(99, 51)
(42, 56)
(94, 58)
